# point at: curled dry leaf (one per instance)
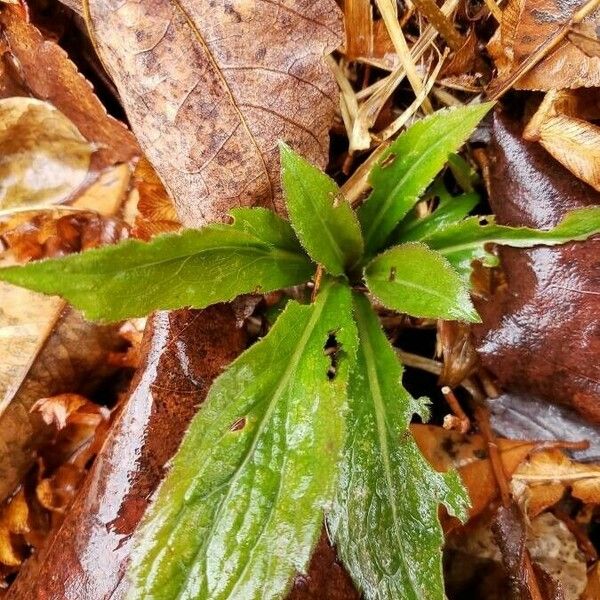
(539, 332)
(210, 89)
(527, 32)
(44, 159)
(33, 66)
(571, 140)
(551, 468)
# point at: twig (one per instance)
(462, 420)
(441, 22)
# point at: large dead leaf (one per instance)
(539, 332)
(526, 37)
(33, 66)
(559, 125)
(44, 160)
(209, 88)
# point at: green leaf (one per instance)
(194, 268)
(385, 518)
(322, 218)
(451, 209)
(413, 279)
(409, 165)
(465, 241)
(242, 506)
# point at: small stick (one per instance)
(460, 417)
(482, 416)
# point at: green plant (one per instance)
(312, 420)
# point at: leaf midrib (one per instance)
(414, 165)
(280, 389)
(338, 252)
(382, 438)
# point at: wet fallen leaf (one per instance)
(571, 140)
(522, 417)
(44, 159)
(526, 54)
(210, 90)
(528, 340)
(528, 580)
(41, 69)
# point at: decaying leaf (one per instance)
(44, 159)
(533, 50)
(210, 89)
(13, 520)
(538, 330)
(33, 66)
(574, 142)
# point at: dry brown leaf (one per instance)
(44, 160)
(552, 467)
(209, 90)
(572, 141)
(33, 66)
(468, 454)
(528, 30)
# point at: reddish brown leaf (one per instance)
(540, 332)
(210, 89)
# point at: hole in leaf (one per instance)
(483, 221)
(388, 160)
(238, 425)
(392, 276)
(332, 350)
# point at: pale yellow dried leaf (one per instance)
(573, 142)
(44, 160)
